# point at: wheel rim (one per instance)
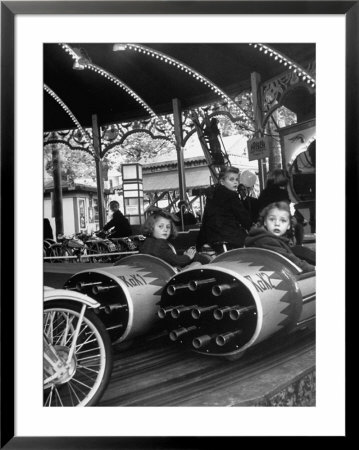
(74, 383)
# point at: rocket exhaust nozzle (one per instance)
(193, 285)
(237, 313)
(219, 289)
(162, 312)
(173, 288)
(219, 313)
(109, 308)
(204, 310)
(97, 289)
(177, 311)
(223, 339)
(202, 341)
(82, 284)
(176, 334)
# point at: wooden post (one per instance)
(179, 147)
(258, 119)
(99, 175)
(57, 199)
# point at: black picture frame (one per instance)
(9, 10)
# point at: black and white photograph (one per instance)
(194, 285)
(164, 157)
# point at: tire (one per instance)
(85, 379)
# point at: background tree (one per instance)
(74, 163)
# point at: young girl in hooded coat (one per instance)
(274, 224)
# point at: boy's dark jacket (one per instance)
(224, 218)
(261, 238)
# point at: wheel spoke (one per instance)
(87, 340)
(75, 380)
(72, 391)
(58, 396)
(76, 334)
(80, 366)
(82, 358)
(67, 328)
(52, 377)
(88, 376)
(49, 397)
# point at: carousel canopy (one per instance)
(92, 90)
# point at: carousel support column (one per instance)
(258, 119)
(57, 199)
(99, 175)
(275, 157)
(177, 118)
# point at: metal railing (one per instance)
(79, 258)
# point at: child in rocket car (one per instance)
(158, 228)
(274, 223)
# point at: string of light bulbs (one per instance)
(185, 68)
(282, 59)
(108, 75)
(70, 113)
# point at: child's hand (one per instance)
(190, 252)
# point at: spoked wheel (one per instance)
(53, 252)
(59, 253)
(101, 250)
(77, 355)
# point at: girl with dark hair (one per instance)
(275, 190)
(158, 228)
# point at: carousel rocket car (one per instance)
(241, 298)
(128, 293)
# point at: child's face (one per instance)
(231, 181)
(162, 228)
(277, 221)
